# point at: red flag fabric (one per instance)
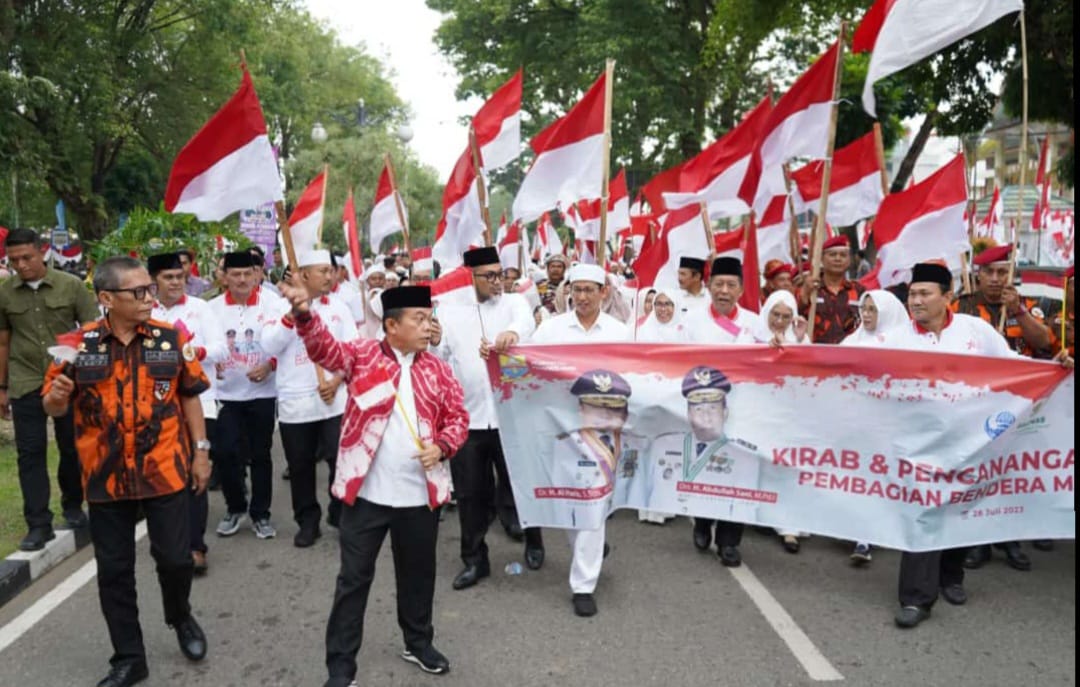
(498, 125)
(1042, 181)
(352, 236)
(855, 185)
(307, 217)
(385, 219)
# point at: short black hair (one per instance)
(389, 262)
(108, 272)
(22, 237)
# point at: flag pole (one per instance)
(826, 178)
(397, 200)
(793, 221)
(286, 235)
(522, 236)
(322, 204)
(706, 226)
(609, 79)
(965, 268)
(1023, 161)
(481, 189)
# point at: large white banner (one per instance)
(914, 451)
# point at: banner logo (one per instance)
(513, 366)
(996, 425)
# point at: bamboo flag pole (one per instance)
(826, 179)
(481, 189)
(522, 235)
(1023, 161)
(793, 221)
(322, 204)
(398, 205)
(706, 226)
(609, 83)
(286, 235)
(965, 267)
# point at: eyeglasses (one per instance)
(139, 293)
(488, 276)
(584, 290)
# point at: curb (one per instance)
(19, 570)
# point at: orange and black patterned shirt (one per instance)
(975, 304)
(130, 430)
(837, 314)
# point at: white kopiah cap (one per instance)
(583, 272)
(313, 257)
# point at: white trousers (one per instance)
(588, 558)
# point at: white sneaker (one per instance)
(230, 524)
(263, 529)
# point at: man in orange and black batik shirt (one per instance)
(837, 311)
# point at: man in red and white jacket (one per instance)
(397, 432)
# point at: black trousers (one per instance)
(112, 531)
(364, 525)
(31, 442)
(199, 504)
(306, 445)
(727, 533)
(923, 574)
(245, 432)
(481, 484)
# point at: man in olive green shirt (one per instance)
(37, 303)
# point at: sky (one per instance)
(401, 35)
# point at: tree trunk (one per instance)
(907, 165)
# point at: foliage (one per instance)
(148, 232)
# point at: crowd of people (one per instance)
(174, 385)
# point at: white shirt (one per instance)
(962, 334)
(296, 379)
(463, 327)
(245, 350)
(396, 477)
(689, 303)
(350, 296)
(701, 328)
(206, 332)
(566, 328)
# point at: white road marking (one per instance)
(59, 594)
(813, 661)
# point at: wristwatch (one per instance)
(202, 445)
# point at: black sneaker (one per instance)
(428, 659)
(36, 538)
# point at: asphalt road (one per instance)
(668, 616)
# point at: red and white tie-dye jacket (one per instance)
(372, 373)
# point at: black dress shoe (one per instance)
(791, 544)
(514, 531)
(534, 557)
(75, 519)
(429, 659)
(306, 536)
(191, 638)
(35, 539)
(1015, 556)
(954, 594)
(584, 605)
(471, 575)
(702, 538)
(977, 557)
(910, 616)
(730, 556)
(1043, 544)
(125, 674)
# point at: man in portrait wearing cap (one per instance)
(705, 455)
(837, 312)
(693, 293)
(194, 317)
(585, 323)
(405, 418)
(934, 327)
(310, 401)
(496, 322)
(245, 427)
(1025, 332)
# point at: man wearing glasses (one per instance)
(497, 322)
(133, 384)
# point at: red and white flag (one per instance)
(228, 165)
(421, 259)
(902, 32)
(774, 232)
(797, 126)
(716, 174)
(584, 216)
(569, 159)
(925, 222)
(352, 237)
(1042, 181)
(683, 235)
(306, 219)
(855, 185)
(508, 246)
(585, 251)
(453, 288)
(498, 125)
(664, 182)
(992, 225)
(547, 241)
(385, 219)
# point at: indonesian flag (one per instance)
(228, 165)
(1042, 181)
(655, 189)
(585, 251)
(992, 225)
(509, 245)
(855, 185)
(498, 125)
(716, 174)
(453, 288)
(307, 216)
(584, 216)
(925, 222)
(569, 159)
(384, 216)
(798, 126)
(547, 241)
(421, 259)
(352, 236)
(774, 232)
(902, 32)
(683, 235)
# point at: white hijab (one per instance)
(761, 332)
(891, 314)
(655, 331)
